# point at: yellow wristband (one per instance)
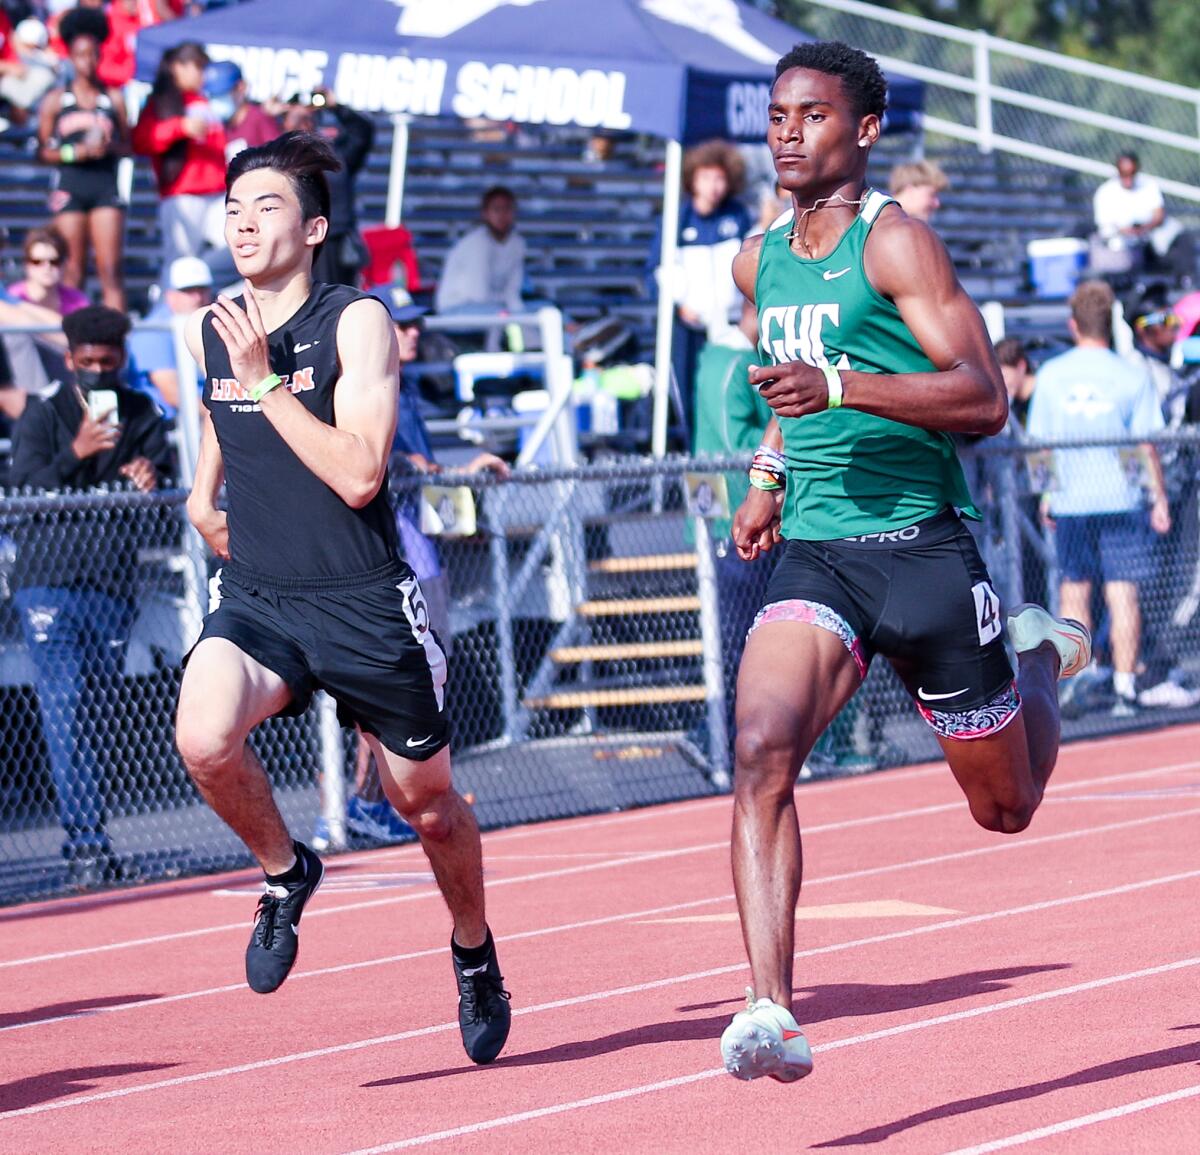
(833, 382)
(66, 154)
(273, 381)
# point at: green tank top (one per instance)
(849, 473)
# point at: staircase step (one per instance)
(644, 563)
(633, 696)
(616, 651)
(615, 607)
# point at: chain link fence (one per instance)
(593, 617)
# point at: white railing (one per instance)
(1004, 96)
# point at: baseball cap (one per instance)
(400, 304)
(32, 31)
(189, 273)
(221, 77)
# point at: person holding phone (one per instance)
(74, 589)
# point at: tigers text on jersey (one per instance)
(283, 519)
(849, 473)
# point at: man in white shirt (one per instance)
(484, 270)
(1129, 211)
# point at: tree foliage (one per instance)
(1154, 37)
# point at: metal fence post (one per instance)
(713, 658)
(333, 770)
(983, 91)
(505, 650)
(1012, 589)
(195, 570)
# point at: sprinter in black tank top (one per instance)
(301, 385)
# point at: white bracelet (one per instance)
(833, 382)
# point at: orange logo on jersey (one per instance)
(231, 389)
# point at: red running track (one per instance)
(963, 992)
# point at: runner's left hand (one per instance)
(245, 337)
(792, 389)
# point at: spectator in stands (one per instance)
(344, 255)
(1090, 394)
(1131, 217)
(247, 124)
(186, 144)
(189, 287)
(712, 223)
(917, 185)
(1019, 380)
(74, 591)
(485, 269)
(27, 69)
(34, 359)
(45, 254)
(1155, 327)
(83, 132)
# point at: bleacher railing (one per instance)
(998, 94)
(592, 616)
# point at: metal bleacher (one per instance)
(589, 224)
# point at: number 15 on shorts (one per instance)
(987, 611)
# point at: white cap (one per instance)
(189, 273)
(32, 31)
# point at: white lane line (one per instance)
(658, 984)
(626, 916)
(543, 1112)
(1080, 1121)
(625, 859)
(804, 792)
(838, 1044)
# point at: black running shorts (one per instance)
(80, 190)
(920, 597)
(365, 640)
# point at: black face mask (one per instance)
(92, 379)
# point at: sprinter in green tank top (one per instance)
(871, 355)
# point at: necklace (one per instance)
(797, 233)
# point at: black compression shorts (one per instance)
(366, 641)
(920, 597)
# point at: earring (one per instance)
(863, 143)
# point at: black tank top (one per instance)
(284, 521)
(74, 125)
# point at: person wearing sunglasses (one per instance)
(44, 256)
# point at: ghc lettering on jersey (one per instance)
(794, 333)
(231, 389)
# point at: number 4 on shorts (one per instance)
(987, 611)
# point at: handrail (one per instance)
(1015, 48)
(1052, 90)
(1049, 155)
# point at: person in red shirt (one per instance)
(127, 18)
(185, 141)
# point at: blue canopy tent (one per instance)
(685, 70)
